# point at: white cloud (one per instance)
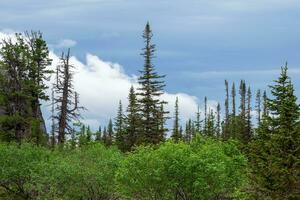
(102, 84)
(66, 43)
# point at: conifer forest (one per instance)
(237, 150)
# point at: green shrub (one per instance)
(206, 169)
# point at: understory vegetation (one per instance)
(204, 169)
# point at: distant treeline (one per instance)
(270, 144)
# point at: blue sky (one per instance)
(199, 42)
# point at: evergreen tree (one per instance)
(205, 114)
(151, 89)
(275, 151)
(248, 117)
(243, 120)
(22, 85)
(265, 105)
(258, 106)
(133, 122)
(98, 135)
(211, 128)
(120, 128)
(218, 124)
(161, 118)
(198, 121)
(226, 120)
(188, 131)
(110, 133)
(176, 133)
(233, 120)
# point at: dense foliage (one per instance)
(205, 169)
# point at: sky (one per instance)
(200, 43)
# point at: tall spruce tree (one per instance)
(151, 89)
(275, 151)
(176, 133)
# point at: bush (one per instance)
(31, 172)
(206, 169)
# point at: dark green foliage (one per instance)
(275, 152)
(152, 117)
(23, 72)
(133, 122)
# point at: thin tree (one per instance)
(258, 106)
(176, 133)
(67, 100)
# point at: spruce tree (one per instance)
(275, 151)
(258, 106)
(110, 133)
(175, 133)
(265, 105)
(226, 134)
(205, 115)
(248, 117)
(218, 122)
(98, 135)
(120, 128)
(150, 91)
(133, 122)
(243, 121)
(198, 120)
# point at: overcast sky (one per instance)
(199, 42)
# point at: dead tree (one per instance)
(66, 100)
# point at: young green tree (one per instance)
(151, 89)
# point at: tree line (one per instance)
(270, 142)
